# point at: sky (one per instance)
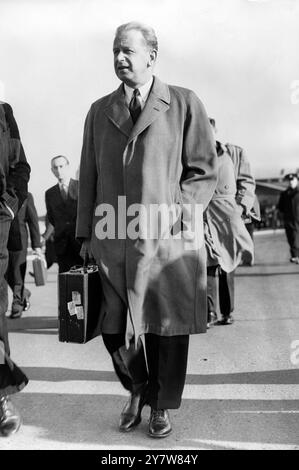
(241, 57)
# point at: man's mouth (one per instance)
(122, 67)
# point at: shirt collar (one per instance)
(220, 148)
(66, 183)
(143, 90)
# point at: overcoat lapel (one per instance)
(157, 103)
(118, 112)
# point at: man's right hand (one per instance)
(86, 249)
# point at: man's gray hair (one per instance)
(147, 32)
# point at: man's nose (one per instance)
(119, 57)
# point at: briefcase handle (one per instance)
(89, 265)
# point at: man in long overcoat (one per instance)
(146, 144)
(227, 238)
(14, 176)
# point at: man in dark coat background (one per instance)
(288, 205)
(146, 144)
(27, 219)
(61, 205)
(14, 176)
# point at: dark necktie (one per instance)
(64, 191)
(135, 105)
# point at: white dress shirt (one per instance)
(10, 210)
(143, 90)
(65, 185)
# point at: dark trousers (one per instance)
(163, 366)
(5, 221)
(292, 237)
(50, 253)
(15, 275)
(226, 289)
(12, 378)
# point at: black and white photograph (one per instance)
(149, 228)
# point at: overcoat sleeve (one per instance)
(245, 183)
(245, 194)
(19, 172)
(32, 221)
(199, 157)
(87, 181)
(49, 215)
(281, 205)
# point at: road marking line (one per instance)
(191, 392)
(265, 412)
(246, 445)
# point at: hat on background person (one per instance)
(290, 176)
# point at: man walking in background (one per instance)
(27, 219)
(61, 205)
(288, 205)
(14, 176)
(227, 238)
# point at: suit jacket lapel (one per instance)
(158, 102)
(118, 112)
(73, 189)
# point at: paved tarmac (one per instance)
(242, 387)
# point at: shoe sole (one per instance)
(131, 428)
(13, 317)
(10, 429)
(159, 436)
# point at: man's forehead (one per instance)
(59, 161)
(132, 36)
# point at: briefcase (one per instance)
(79, 304)
(39, 270)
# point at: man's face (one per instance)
(60, 169)
(293, 183)
(132, 58)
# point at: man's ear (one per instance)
(152, 58)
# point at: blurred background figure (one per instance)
(48, 242)
(61, 204)
(225, 233)
(25, 221)
(288, 205)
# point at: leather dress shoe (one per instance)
(16, 311)
(131, 414)
(212, 319)
(226, 320)
(159, 425)
(26, 301)
(10, 419)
